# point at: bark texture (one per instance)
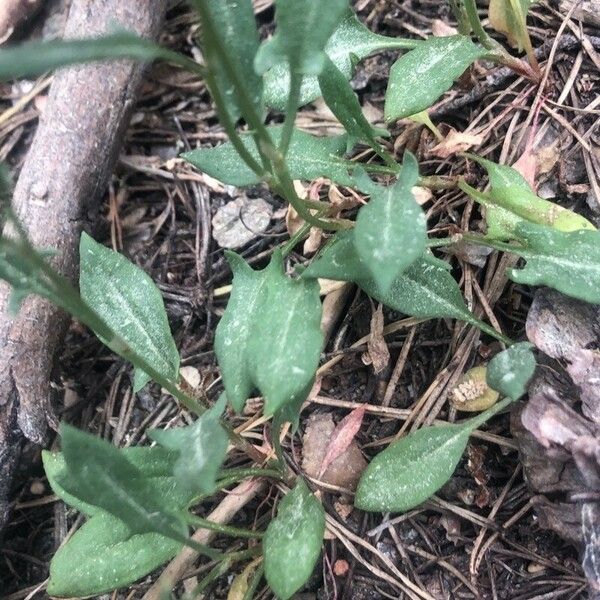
(63, 178)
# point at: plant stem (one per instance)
(250, 472)
(220, 528)
(480, 419)
(439, 242)
(254, 120)
(462, 19)
(491, 331)
(66, 296)
(473, 16)
(291, 110)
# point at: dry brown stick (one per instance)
(64, 176)
(223, 513)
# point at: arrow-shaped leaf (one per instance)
(308, 158)
(303, 29)
(286, 341)
(351, 41)
(269, 337)
(391, 230)
(130, 303)
(421, 76)
(568, 262)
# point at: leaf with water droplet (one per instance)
(421, 76)
(308, 158)
(412, 469)
(510, 371)
(269, 337)
(293, 540)
(568, 262)
(129, 302)
(350, 42)
(391, 232)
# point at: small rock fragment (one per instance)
(240, 221)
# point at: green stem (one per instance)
(250, 472)
(66, 296)
(491, 331)
(480, 419)
(462, 19)
(254, 120)
(439, 242)
(291, 110)
(278, 422)
(438, 182)
(197, 521)
(473, 16)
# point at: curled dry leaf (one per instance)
(377, 353)
(455, 142)
(345, 470)
(342, 437)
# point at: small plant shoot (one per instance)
(141, 503)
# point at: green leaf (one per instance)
(236, 327)
(308, 158)
(509, 371)
(339, 260)
(202, 448)
(98, 474)
(344, 104)
(391, 230)
(154, 463)
(303, 29)
(426, 289)
(568, 262)
(412, 469)
(35, 58)
(421, 76)
(235, 26)
(350, 42)
(515, 201)
(292, 542)
(130, 303)
(284, 348)
(103, 556)
(23, 277)
(269, 337)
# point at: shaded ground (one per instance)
(479, 537)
